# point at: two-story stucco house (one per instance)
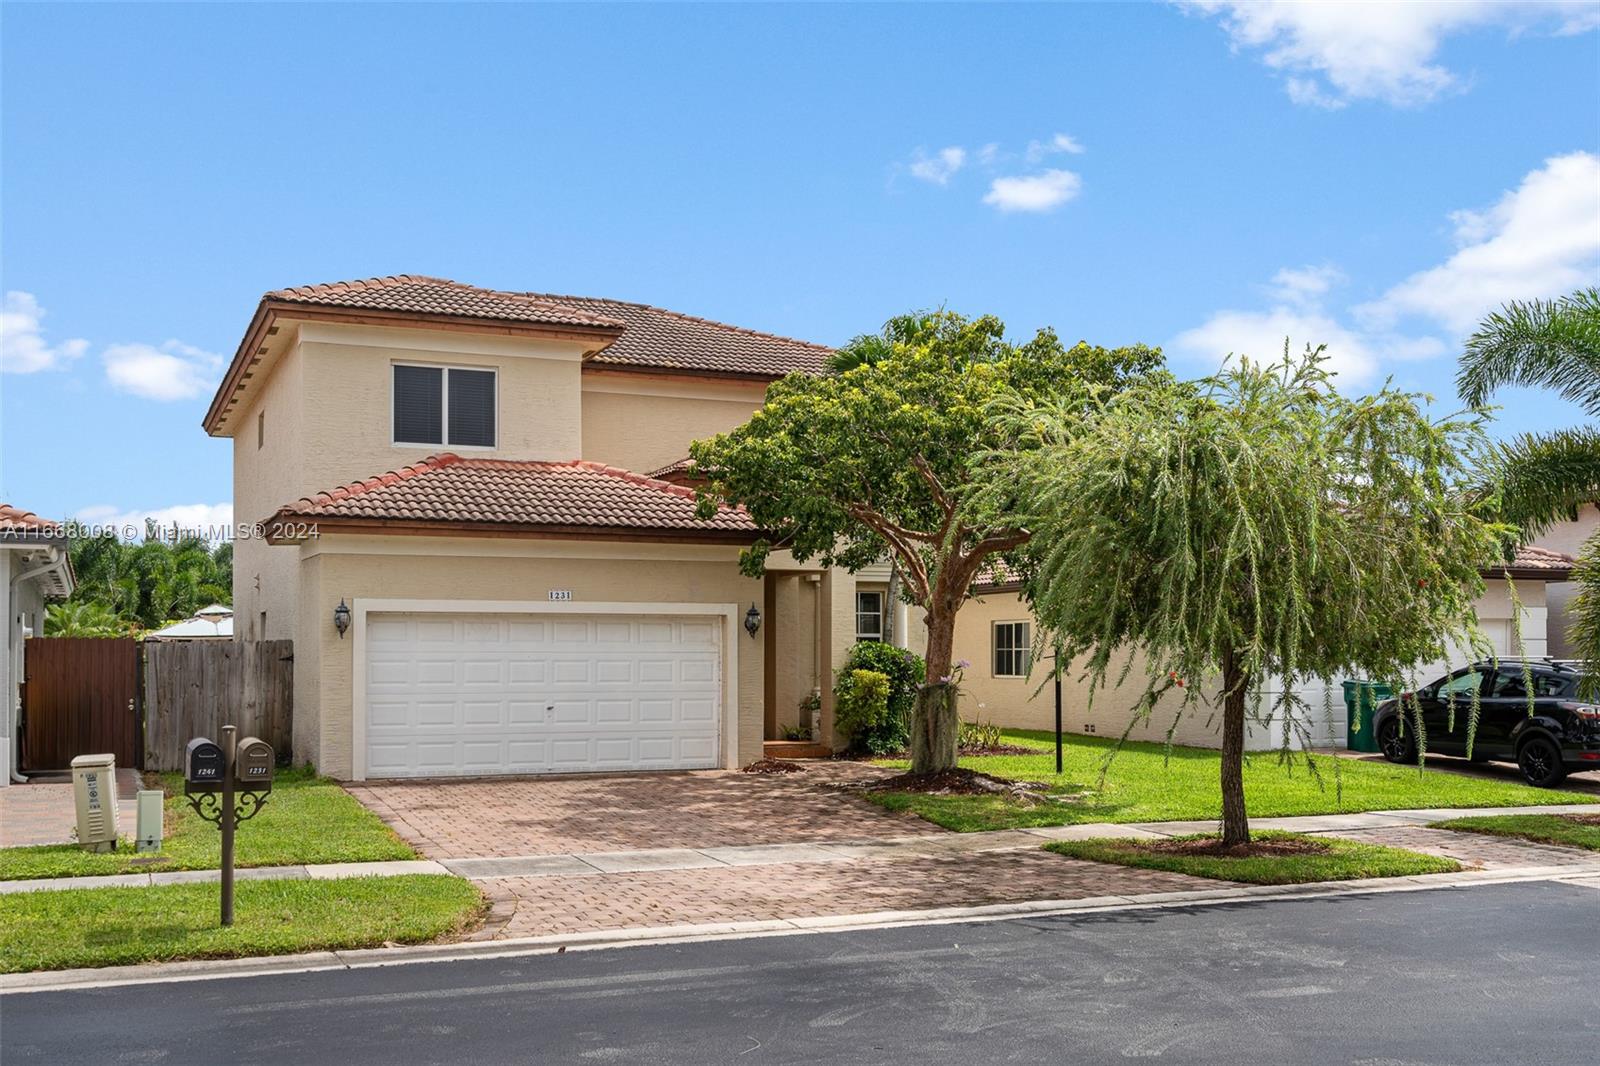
(465, 472)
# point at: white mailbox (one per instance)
(94, 788)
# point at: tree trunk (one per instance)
(935, 725)
(1235, 685)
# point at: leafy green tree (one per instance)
(874, 459)
(83, 620)
(1253, 524)
(1541, 478)
(152, 581)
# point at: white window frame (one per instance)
(878, 636)
(1026, 648)
(444, 404)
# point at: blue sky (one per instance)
(1203, 177)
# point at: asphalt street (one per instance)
(1501, 974)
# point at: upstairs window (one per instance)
(1013, 649)
(444, 405)
(869, 616)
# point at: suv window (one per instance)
(1511, 683)
(1461, 686)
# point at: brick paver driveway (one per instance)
(538, 906)
(624, 812)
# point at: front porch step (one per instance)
(795, 749)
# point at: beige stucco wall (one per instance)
(796, 661)
(328, 400)
(641, 422)
(1023, 704)
(1567, 537)
(497, 570)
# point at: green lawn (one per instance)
(1146, 784)
(307, 819)
(1345, 860)
(117, 926)
(1541, 828)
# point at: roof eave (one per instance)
(269, 310)
(521, 530)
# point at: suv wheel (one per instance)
(1540, 760)
(1396, 747)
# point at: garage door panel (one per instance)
(507, 694)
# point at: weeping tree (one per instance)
(1255, 524)
(873, 459)
(1536, 479)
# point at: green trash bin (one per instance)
(1362, 696)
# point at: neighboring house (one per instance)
(463, 470)
(33, 568)
(1568, 538)
(1003, 684)
(214, 622)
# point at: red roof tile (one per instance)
(657, 339)
(417, 294)
(509, 495)
(678, 473)
(16, 522)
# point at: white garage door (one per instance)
(507, 694)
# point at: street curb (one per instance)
(217, 969)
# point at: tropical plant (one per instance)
(1541, 478)
(874, 461)
(1253, 524)
(890, 731)
(861, 710)
(83, 620)
(153, 581)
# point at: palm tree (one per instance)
(1540, 478)
(83, 620)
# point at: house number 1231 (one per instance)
(561, 594)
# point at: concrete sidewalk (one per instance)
(1365, 826)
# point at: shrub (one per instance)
(889, 731)
(861, 708)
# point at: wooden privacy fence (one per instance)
(193, 688)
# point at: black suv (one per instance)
(1561, 736)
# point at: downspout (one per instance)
(15, 739)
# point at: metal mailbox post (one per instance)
(227, 784)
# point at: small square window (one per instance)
(1013, 649)
(869, 616)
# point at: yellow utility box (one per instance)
(94, 788)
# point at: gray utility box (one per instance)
(94, 793)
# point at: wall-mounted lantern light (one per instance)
(341, 618)
(752, 620)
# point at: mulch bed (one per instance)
(1583, 819)
(773, 766)
(1211, 847)
(963, 782)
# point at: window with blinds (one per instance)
(444, 405)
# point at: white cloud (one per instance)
(174, 371)
(1541, 239)
(1261, 335)
(1044, 191)
(988, 153)
(22, 346)
(1061, 142)
(212, 520)
(938, 168)
(1304, 285)
(1334, 51)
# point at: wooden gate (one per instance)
(192, 688)
(80, 696)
